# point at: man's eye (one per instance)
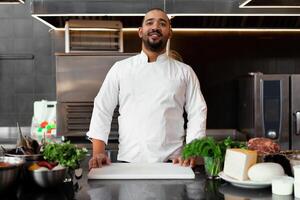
(163, 24)
(149, 23)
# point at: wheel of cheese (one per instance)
(265, 171)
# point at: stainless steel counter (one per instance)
(84, 189)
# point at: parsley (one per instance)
(66, 154)
(209, 147)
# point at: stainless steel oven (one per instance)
(269, 106)
(78, 80)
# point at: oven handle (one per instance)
(297, 123)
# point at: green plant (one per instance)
(66, 154)
(212, 151)
(209, 147)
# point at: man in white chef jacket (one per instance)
(152, 91)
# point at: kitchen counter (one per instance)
(84, 189)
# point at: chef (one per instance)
(152, 91)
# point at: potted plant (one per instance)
(212, 151)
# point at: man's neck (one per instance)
(152, 56)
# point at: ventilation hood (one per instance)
(271, 4)
(228, 14)
(12, 1)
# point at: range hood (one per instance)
(12, 1)
(271, 4)
(231, 14)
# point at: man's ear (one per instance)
(140, 32)
(171, 33)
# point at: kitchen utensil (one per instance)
(142, 171)
(245, 184)
(296, 169)
(10, 173)
(297, 189)
(48, 178)
(282, 185)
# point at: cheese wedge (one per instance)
(238, 161)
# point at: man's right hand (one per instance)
(98, 160)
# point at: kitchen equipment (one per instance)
(47, 178)
(31, 157)
(9, 174)
(93, 35)
(142, 171)
(246, 183)
(282, 185)
(44, 119)
(78, 80)
(296, 170)
(269, 106)
(297, 189)
(44, 111)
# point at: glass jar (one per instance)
(213, 166)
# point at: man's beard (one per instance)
(157, 46)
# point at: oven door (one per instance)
(274, 108)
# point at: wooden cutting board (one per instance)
(142, 171)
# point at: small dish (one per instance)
(48, 178)
(245, 184)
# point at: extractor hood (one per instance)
(184, 13)
(271, 4)
(12, 1)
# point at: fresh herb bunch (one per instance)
(209, 147)
(66, 154)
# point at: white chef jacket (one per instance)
(151, 97)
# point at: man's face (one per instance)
(156, 31)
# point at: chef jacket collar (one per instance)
(160, 58)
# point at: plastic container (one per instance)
(282, 185)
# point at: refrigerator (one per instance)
(269, 106)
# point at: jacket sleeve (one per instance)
(195, 107)
(104, 104)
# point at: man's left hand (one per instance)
(188, 162)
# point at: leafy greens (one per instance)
(66, 154)
(209, 147)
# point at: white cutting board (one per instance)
(142, 171)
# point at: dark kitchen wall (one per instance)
(26, 70)
(220, 58)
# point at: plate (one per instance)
(246, 183)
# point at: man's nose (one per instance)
(156, 25)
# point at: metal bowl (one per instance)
(9, 174)
(33, 157)
(48, 178)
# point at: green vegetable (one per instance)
(66, 154)
(209, 147)
(213, 152)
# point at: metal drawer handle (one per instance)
(297, 123)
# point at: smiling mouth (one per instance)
(155, 33)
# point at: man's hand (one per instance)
(188, 162)
(99, 160)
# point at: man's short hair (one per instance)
(158, 9)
